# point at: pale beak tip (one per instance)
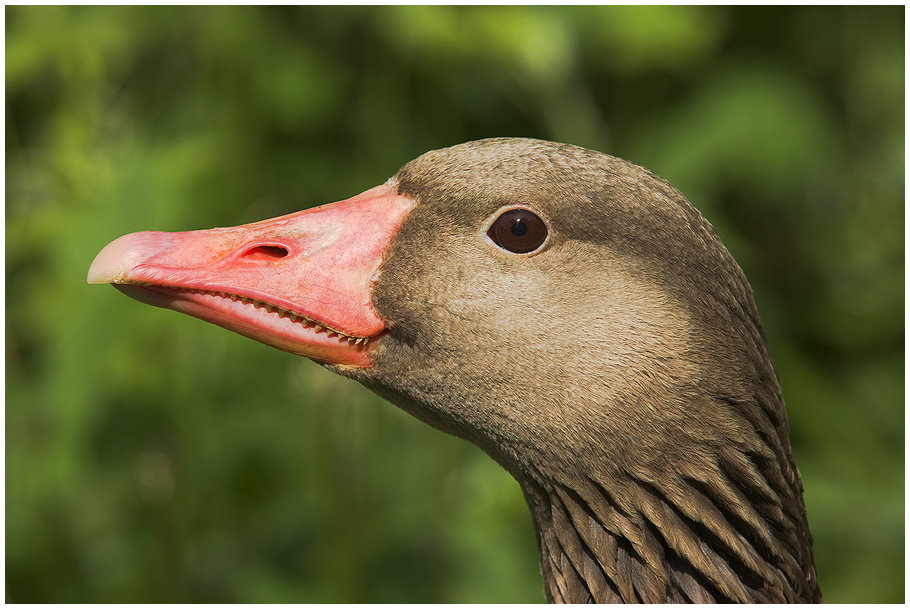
(113, 263)
(104, 269)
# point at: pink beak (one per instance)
(301, 282)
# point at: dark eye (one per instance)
(518, 230)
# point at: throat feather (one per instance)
(595, 550)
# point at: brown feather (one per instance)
(621, 374)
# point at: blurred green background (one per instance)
(152, 457)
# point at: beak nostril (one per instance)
(266, 252)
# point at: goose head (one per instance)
(568, 312)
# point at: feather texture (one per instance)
(621, 374)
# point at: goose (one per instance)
(570, 313)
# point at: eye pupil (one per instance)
(518, 230)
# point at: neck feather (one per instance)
(731, 528)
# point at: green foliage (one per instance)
(151, 457)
